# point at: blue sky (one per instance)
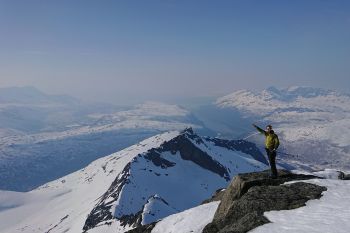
(121, 51)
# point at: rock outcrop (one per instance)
(250, 195)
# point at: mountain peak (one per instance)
(188, 130)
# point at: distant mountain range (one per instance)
(292, 99)
(40, 133)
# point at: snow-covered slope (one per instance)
(312, 123)
(162, 175)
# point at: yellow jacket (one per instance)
(271, 141)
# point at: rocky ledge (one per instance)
(249, 195)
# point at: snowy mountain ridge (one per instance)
(162, 175)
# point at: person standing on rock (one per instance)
(271, 144)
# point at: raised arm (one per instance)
(259, 129)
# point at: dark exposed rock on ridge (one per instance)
(102, 211)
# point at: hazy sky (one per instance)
(135, 50)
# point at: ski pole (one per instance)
(251, 135)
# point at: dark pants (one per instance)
(272, 160)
